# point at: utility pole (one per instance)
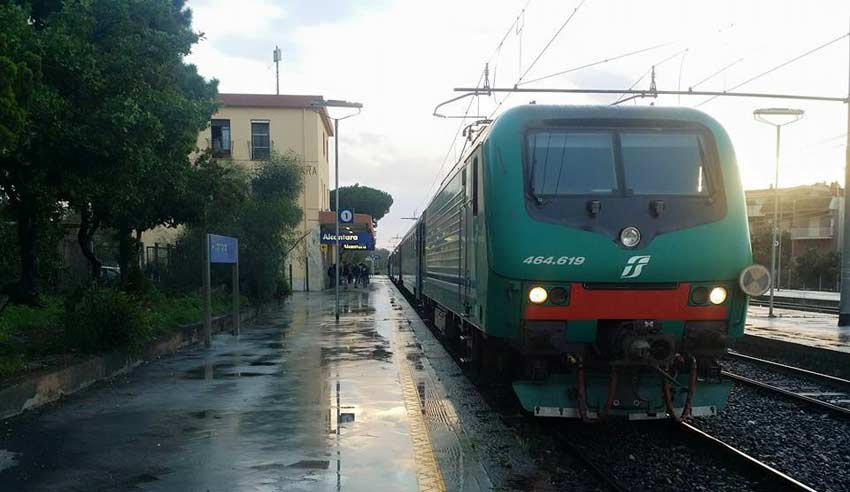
(277, 59)
(844, 304)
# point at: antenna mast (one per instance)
(277, 59)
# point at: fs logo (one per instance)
(634, 266)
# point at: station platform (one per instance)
(813, 329)
(810, 340)
(298, 402)
(814, 295)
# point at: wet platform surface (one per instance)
(815, 295)
(297, 403)
(811, 329)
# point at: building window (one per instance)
(221, 138)
(260, 141)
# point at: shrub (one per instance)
(104, 319)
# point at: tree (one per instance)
(817, 270)
(261, 210)
(133, 114)
(364, 200)
(27, 126)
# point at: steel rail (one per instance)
(841, 411)
(826, 377)
(779, 480)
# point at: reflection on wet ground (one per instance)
(813, 329)
(298, 402)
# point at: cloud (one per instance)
(401, 57)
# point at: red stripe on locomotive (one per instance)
(588, 304)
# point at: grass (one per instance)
(28, 333)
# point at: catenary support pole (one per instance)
(844, 304)
(207, 300)
(774, 240)
(336, 207)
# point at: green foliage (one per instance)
(102, 319)
(816, 270)
(261, 210)
(363, 199)
(31, 330)
(107, 126)
(761, 240)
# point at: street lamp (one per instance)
(780, 117)
(333, 103)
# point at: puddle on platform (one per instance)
(216, 371)
(311, 464)
(7, 459)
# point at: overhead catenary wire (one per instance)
(548, 44)
(495, 53)
(623, 98)
(537, 58)
(597, 62)
(777, 67)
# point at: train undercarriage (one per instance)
(634, 369)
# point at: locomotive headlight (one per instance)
(717, 295)
(630, 237)
(538, 295)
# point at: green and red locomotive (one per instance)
(599, 254)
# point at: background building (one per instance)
(811, 224)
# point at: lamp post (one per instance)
(332, 103)
(783, 116)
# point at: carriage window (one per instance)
(658, 164)
(572, 163)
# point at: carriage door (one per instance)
(469, 248)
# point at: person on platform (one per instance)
(332, 275)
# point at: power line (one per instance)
(469, 106)
(543, 51)
(718, 72)
(519, 80)
(598, 62)
(648, 71)
(777, 67)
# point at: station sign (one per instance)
(223, 249)
(346, 216)
(357, 241)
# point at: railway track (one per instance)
(823, 391)
(582, 442)
(767, 477)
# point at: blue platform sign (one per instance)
(223, 249)
(346, 216)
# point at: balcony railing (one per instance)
(812, 232)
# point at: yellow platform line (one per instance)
(428, 474)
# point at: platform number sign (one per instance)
(346, 216)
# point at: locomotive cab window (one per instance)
(663, 164)
(564, 162)
(572, 163)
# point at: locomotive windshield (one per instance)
(575, 162)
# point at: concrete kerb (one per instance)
(41, 388)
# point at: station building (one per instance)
(248, 127)
(246, 130)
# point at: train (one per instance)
(598, 256)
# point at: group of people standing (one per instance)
(348, 273)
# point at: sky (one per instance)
(400, 58)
